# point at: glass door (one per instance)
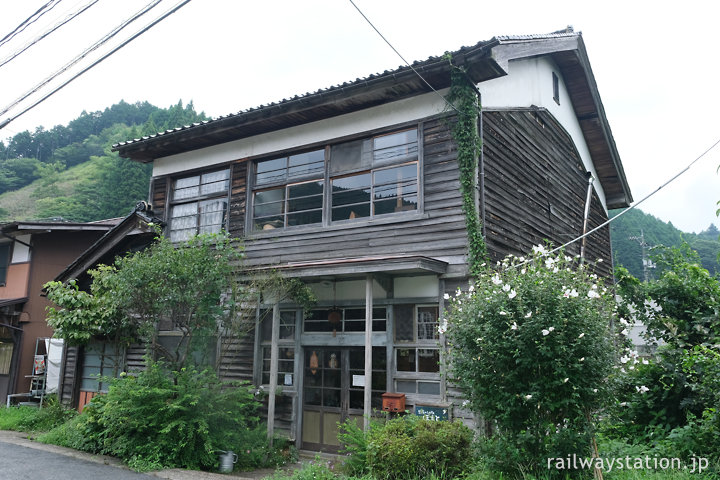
(333, 392)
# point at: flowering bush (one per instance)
(530, 345)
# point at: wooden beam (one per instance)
(273, 370)
(368, 349)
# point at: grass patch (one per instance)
(12, 418)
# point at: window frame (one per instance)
(327, 178)
(199, 200)
(5, 263)
(415, 345)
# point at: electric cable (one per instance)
(46, 33)
(30, 20)
(403, 58)
(635, 205)
(588, 233)
(85, 53)
(148, 27)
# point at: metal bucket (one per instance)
(227, 461)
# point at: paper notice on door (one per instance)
(358, 380)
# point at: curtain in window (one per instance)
(6, 351)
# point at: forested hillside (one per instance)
(69, 171)
(628, 231)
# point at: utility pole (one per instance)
(647, 264)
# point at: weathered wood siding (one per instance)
(439, 233)
(67, 389)
(158, 196)
(535, 187)
(238, 195)
(236, 358)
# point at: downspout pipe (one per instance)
(586, 215)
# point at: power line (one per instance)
(148, 27)
(403, 58)
(586, 234)
(30, 20)
(48, 32)
(608, 221)
(74, 61)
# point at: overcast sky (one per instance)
(656, 66)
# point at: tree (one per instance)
(531, 347)
(192, 288)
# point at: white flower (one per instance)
(442, 327)
(551, 328)
(472, 288)
(523, 271)
(503, 312)
(570, 293)
(593, 294)
(496, 279)
(642, 389)
(512, 294)
(539, 249)
(623, 321)
(465, 403)
(595, 390)
(549, 262)
(521, 259)
(566, 380)
(528, 397)
(599, 260)
(556, 270)
(624, 359)
(581, 335)
(645, 361)
(582, 359)
(506, 288)
(624, 332)
(545, 332)
(514, 326)
(446, 296)
(528, 315)
(623, 404)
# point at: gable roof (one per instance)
(133, 232)
(483, 61)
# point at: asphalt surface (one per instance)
(23, 459)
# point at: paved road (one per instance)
(21, 463)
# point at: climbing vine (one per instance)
(463, 97)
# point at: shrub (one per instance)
(406, 447)
(531, 347)
(169, 419)
(51, 415)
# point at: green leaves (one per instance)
(532, 349)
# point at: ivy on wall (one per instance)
(463, 97)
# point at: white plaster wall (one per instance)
(295, 137)
(422, 286)
(529, 83)
(345, 290)
(21, 253)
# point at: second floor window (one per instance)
(199, 204)
(364, 178)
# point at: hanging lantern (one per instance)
(334, 317)
(313, 363)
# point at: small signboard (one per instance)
(358, 380)
(288, 379)
(430, 412)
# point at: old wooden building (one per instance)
(354, 189)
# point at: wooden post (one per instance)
(368, 349)
(273, 370)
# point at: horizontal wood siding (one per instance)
(236, 358)
(158, 196)
(535, 186)
(238, 194)
(135, 358)
(69, 372)
(440, 232)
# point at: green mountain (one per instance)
(69, 171)
(631, 230)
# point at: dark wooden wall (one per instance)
(440, 232)
(535, 187)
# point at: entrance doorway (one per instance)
(333, 392)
